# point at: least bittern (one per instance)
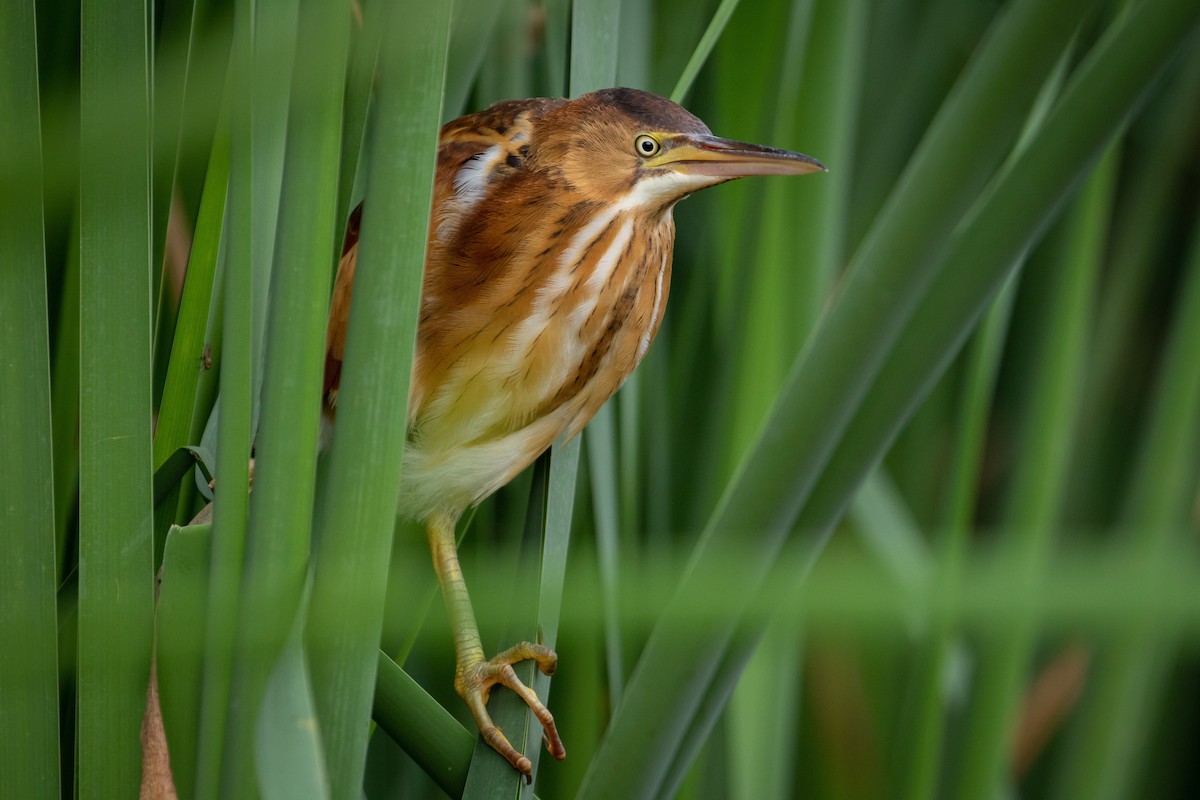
(548, 263)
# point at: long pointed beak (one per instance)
(699, 154)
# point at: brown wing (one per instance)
(509, 124)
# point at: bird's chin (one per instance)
(670, 185)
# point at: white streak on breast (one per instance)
(644, 345)
(615, 250)
(586, 236)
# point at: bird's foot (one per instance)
(474, 684)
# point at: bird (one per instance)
(548, 263)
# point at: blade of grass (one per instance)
(921, 750)
(557, 36)
(771, 334)
(365, 37)
(1131, 673)
(893, 268)
(823, 53)
(704, 48)
(354, 532)
(64, 412)
(234, 425)
(204, 408)
(1155, 183)
(116, 546)
(832, 83)
(763, 724)
(1037, 498)
(419, 724)
(602, 468)
(612, 435)
(275, 53)
(926, 46)
(716, 697)
(170, 52)
(636, 34)
(180, 612)
(508, 72)
(187, 347)
(191, 355)
(280, 513)
(556, 534)
(288, 746)
(28, 571)
(593, 59)
(595, 26)
(747, 54)
(888, 530)
(629, 402)
(472, 25)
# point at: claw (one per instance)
(474, 684)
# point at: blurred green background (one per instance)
(903, 502)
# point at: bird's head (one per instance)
(626, 145)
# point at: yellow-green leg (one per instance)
(474, 676)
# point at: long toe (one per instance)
(554, 744)
(475, 693)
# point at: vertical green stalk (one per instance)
(191, 356)
(354, 532)
(280, 513)
(170, 52)
(115, 506)
(472, 25)
(230, 504)
(360, 77)
(602, 469)
(28, 570)
(763, 724)
(64, 407)
(716, 26)
(556, 536)
(437, 742)
(775, 316)
(1038, 488)
(275, 47)
(801, 248)
(595, 26)
(179, 620)
(1152, 191)
(187, 344)
(921, 748)
(1131, 671)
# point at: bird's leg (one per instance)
(474, 676)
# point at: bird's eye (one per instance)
(646, 146)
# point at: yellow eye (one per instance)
(646, 146)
